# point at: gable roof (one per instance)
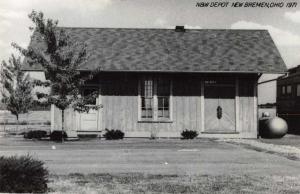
(208, 50)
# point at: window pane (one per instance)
(162, 89)
(166, 114)
(163, 102)
(163, 95)
(163, 107)
(147, 102)
(147, 88)
(147, 98)
(289, 89)
(163, 113)
(298, 90)
(160, 113)
(146, 113)
(90, 91)
(283, 90)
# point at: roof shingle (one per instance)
(117, 49)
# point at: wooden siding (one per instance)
(247, 106)
(71, 122)
(119, 97)
(120, 110)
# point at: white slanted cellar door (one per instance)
(219, 108)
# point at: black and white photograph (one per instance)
(150, 96)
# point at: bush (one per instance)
(38, 134)
(113, 134)
(58, 135)
(189, 134)
(22, 175)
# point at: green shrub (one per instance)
(113, 134)
(189, 134)
(58, 135)
(22, 174)
(37, 134)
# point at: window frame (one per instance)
(298, 90)
(148, 95)
(155, 108)
(91, 87)
(283, 90)
(289, 90)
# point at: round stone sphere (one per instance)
(274, 127)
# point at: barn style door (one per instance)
(219, 109)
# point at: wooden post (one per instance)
(202, 106)
(52, 118)
(62, 124)
(99, 103)
(139, 100)
(155, 100)
(171, 100)
(237, 106)
(155, 107)
(255, 109)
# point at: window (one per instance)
(289, 89)
(298, 89)
(163, 96)
(155, 99)
(92, 93)
(147, 98)
(283, 90)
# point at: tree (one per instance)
(16, 87)
(60, 57)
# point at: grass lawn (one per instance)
(142, 183)
(162, 166)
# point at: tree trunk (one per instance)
(17, 123)
(62, 124)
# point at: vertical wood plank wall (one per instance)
(121, 111)
(247, 107)
(71, 121)
(119, 97)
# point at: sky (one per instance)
(282, 23)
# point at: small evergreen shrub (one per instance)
(113, 134)
(37, 134)
(58, 135)
(22, 174)
(189, 134)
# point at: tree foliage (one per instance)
(16, 87)
(60, 57)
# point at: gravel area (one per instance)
(289, 151)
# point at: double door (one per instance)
(219, 108)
